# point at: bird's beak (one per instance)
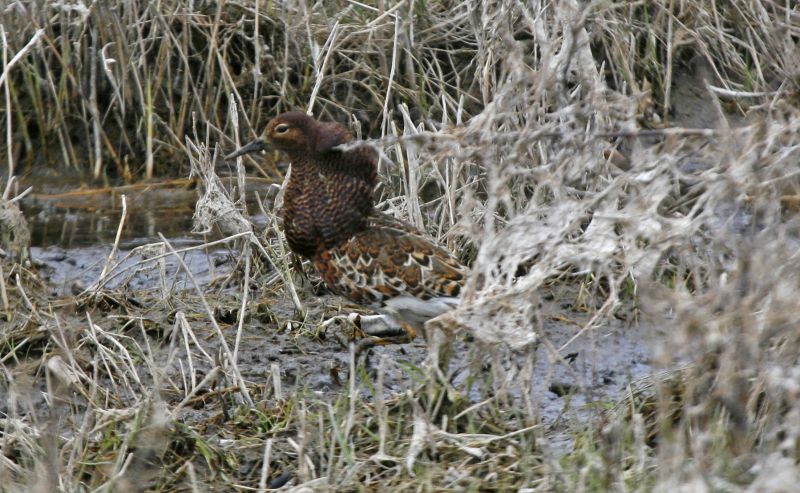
(256, 145)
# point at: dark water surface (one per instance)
(73, 229)
(64, 212)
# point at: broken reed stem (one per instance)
(388, 98)
(243, 307)
(277, 385)
(27, 301)
(93, 109)
(320, 70)
(456, 136)
(262, 482)
(353, 392)
(210, 376)
(380, 410)
(117, 238)
(7, 66)
(149, 129)
(240, 171)
(4, 293)
(188, 333)
(9, 117)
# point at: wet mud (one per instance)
(280, 355)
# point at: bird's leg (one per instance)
(349, 320)
(380, 330)
(440, 352)
(401, 334)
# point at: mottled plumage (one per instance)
(367, 256)
(389, 260)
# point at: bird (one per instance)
(365, 255)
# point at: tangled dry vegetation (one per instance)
(639, 159)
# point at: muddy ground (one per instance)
(592, 373)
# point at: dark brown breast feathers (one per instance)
(328, 198)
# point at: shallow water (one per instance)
(73, 229)
(63, 212)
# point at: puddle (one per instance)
(70, 271)
(74, 227)
(77, 217)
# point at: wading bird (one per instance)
(365, 255)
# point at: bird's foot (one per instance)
(384, 327)
(373, 330)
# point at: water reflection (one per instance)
(80, 218)
(72, 232)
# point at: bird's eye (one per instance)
(282, 128)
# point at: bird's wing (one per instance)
(390, 259)
(330, 135)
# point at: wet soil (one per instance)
(282, 357)
(73, 234)
(593, 372)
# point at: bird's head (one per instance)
(297, 133)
